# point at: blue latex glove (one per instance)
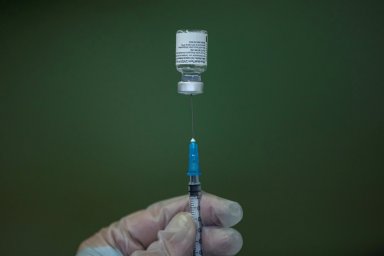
(166, 228)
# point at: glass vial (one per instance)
(191, 60)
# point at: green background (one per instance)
(290, 125)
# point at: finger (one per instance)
(214, 210)
(221, 241)
(142, 227)
(177, 239)
(97, 251)
(217, 211)
(138, 230)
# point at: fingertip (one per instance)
(181, 221)
(178, 235)
(219, 211)
(222, 241)
(237, 242)
(176, 239)
(236, 214)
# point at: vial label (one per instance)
(191, 48)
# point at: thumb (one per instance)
(177, 239)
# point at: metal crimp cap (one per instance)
(190, 87)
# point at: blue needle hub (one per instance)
(193, 165)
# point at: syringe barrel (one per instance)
(194, 203)
(194, 189)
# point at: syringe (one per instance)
(195, 194)
(191, 62)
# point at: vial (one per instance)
(191, 60)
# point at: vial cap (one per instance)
(190, 87)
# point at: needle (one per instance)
(193, 121)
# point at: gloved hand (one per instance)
(166, 228)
